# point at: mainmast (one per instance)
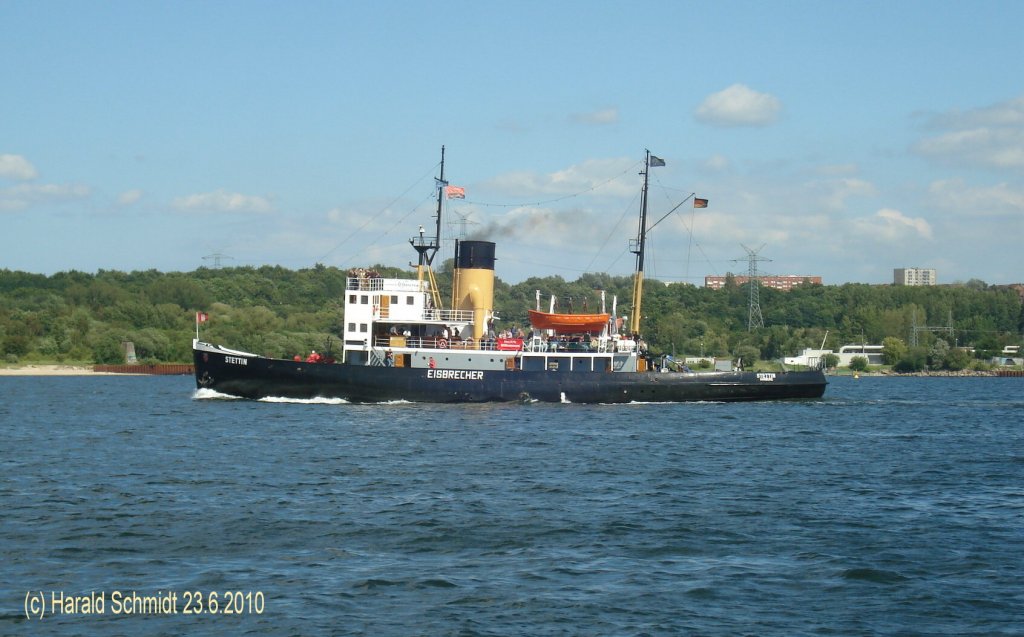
(638, 246)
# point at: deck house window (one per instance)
(580, 364)
(533, 363)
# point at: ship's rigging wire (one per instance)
(394, 225)
(371, 218)
(612, 232)
(556, 199)
(687, 227)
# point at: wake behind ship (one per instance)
(399, 343)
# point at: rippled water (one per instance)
(892, 506)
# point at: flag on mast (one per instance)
(656, 161)
(700, 203)
(455, 192)
(201, 317)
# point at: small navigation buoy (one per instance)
(856, 375)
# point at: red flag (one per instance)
(455, 192)
(202, 317)
(700, 203)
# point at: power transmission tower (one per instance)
(216, 256)
(463, 222)
(754, 316)
(915, 329)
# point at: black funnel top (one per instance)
(474, 254)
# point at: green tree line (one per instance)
(85, 317)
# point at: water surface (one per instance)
(893, 506)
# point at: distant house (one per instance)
(783, 282)
(914, 276)
(1009, 357)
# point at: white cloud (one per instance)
(222, 201)
(739, 105)
(129, 197)
(834, 193)
(1008, 113)
(892, 225)
(954, 196)
(991, 137)
(25, 195)
(838, 169)
(594, 174)
(717, 163)
(16, 167)
(601, 117)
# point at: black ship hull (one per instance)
(257, 377)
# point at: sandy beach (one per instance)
(52, 370)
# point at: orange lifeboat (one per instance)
(568, 323)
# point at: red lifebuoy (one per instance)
(442, 344)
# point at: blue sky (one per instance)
(842, 139)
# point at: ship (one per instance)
(400, 343)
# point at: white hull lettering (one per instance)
(454, 374)
(235, 360)
(766, 377)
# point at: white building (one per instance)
(812, 357)
(809, 357)
(914, 276)
(873, 354)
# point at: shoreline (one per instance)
(58, 370)
(66, 369)
(55, 370)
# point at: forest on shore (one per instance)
(84, 318)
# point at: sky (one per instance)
(832, 139)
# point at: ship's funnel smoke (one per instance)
(532, 223)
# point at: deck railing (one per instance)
(505, 344)
(375, 284)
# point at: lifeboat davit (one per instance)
(568, 323)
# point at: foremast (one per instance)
(427, 248)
